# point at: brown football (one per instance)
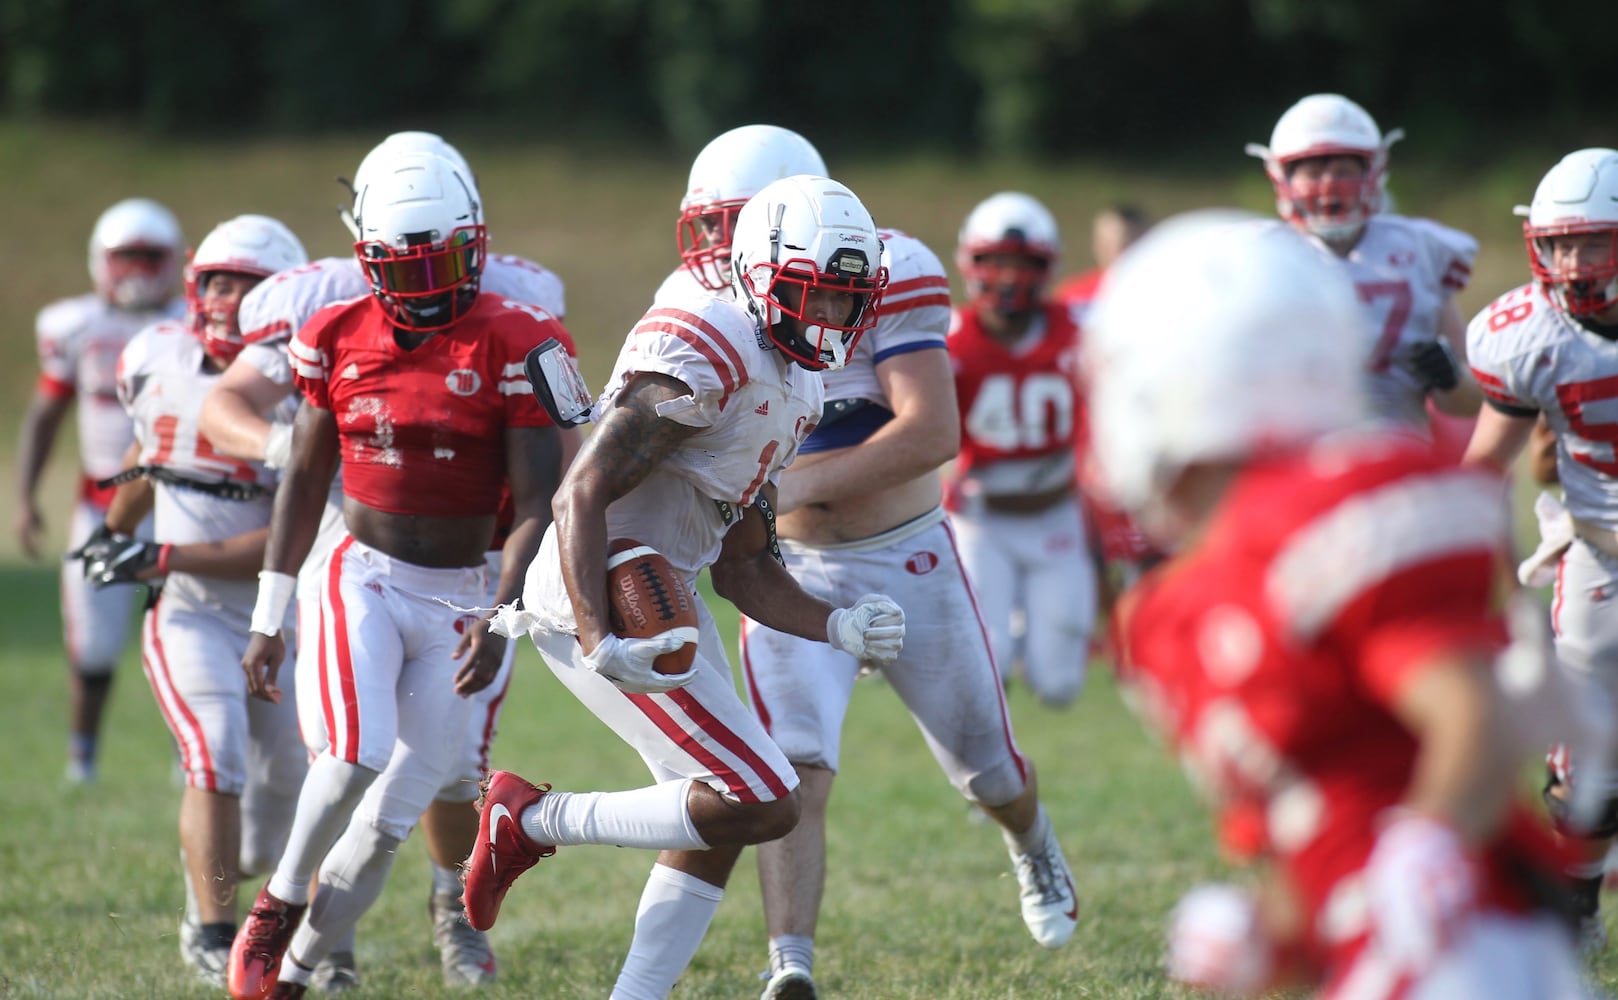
(646, 597)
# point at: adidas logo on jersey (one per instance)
(763, 408)
(352, 371)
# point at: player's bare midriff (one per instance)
(858, 517)
(435, 542)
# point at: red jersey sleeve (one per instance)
(524, 328)
(1394, 574)
(310, 355)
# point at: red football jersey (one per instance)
(421, 430)
(1271, 651)
(1016, 402)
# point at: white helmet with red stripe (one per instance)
(731, 169)
(135, 251)
(1327, 125)
(254, 245)
(1013, 224)
(1273, 357)
(801, 236)
(1576, 205)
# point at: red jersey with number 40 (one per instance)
(422, 431)
(1017, 403)
(1272, 651)
(1531, 357)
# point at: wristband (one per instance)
(163, 554)
(278, 446)
(275, 592)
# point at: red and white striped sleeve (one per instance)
(688, 341)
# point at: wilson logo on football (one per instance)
(921, 563)
(463, 381)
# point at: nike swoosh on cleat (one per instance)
(496, 812)
(1073, 914)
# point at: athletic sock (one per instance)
(1031, 840)
(655, 818)
(792, 949)
(446, 881)
(675, 911)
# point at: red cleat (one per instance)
(503, 851)
(255, 955)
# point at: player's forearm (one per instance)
(235, 558)
(765, 592)
(581, 531)
(1463, 400)
(295, 519)
(521, 545)
(233, 426)
(894, 455)
(130, 505)
(1464, 775)
(34, 443)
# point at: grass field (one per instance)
(920, 902)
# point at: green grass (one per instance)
(920, 903)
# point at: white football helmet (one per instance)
(255, 245)
(408, 142)
(1578, 197)
(731, 169)
(803, 234)
(1008, 223)
(1269, 353)
(135, 251)
(422, 240)
(1327, 125)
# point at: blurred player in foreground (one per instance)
(236, 416)
(1322, 647)
(135, 251)
(1013, 497)
(1548, 351)
(241, 757)
(709, 399)
(1329, 164)
(418, 390)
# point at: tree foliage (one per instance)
(990, 76)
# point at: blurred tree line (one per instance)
(1048, 77)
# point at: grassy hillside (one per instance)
(604, 221)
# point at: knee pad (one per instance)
(995, 788)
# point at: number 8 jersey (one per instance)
(1530, 357)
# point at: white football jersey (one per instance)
(1528, 356)
(753, 409)
(914, 315)
(1406, 270)
(161, 383)
(79, 342)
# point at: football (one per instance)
(646, 597)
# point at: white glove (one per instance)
(872, 631)
(1421, 887)
(278, 446)
(628, 662)
(1216, 943)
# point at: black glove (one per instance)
(121, 562)
(1433, 364)
(100, 542)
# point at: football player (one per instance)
(1549, 350)
(1113, 230)
(1328, 162)
(709, 399)
(234, 417)
(1011, 497)
(1321, 649)
(135, 251)
(418, 390)
(861, 511)
(241, 757)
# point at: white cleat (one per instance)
(1050, 906)
(464, 951)
(208, 958)
(793, 982)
